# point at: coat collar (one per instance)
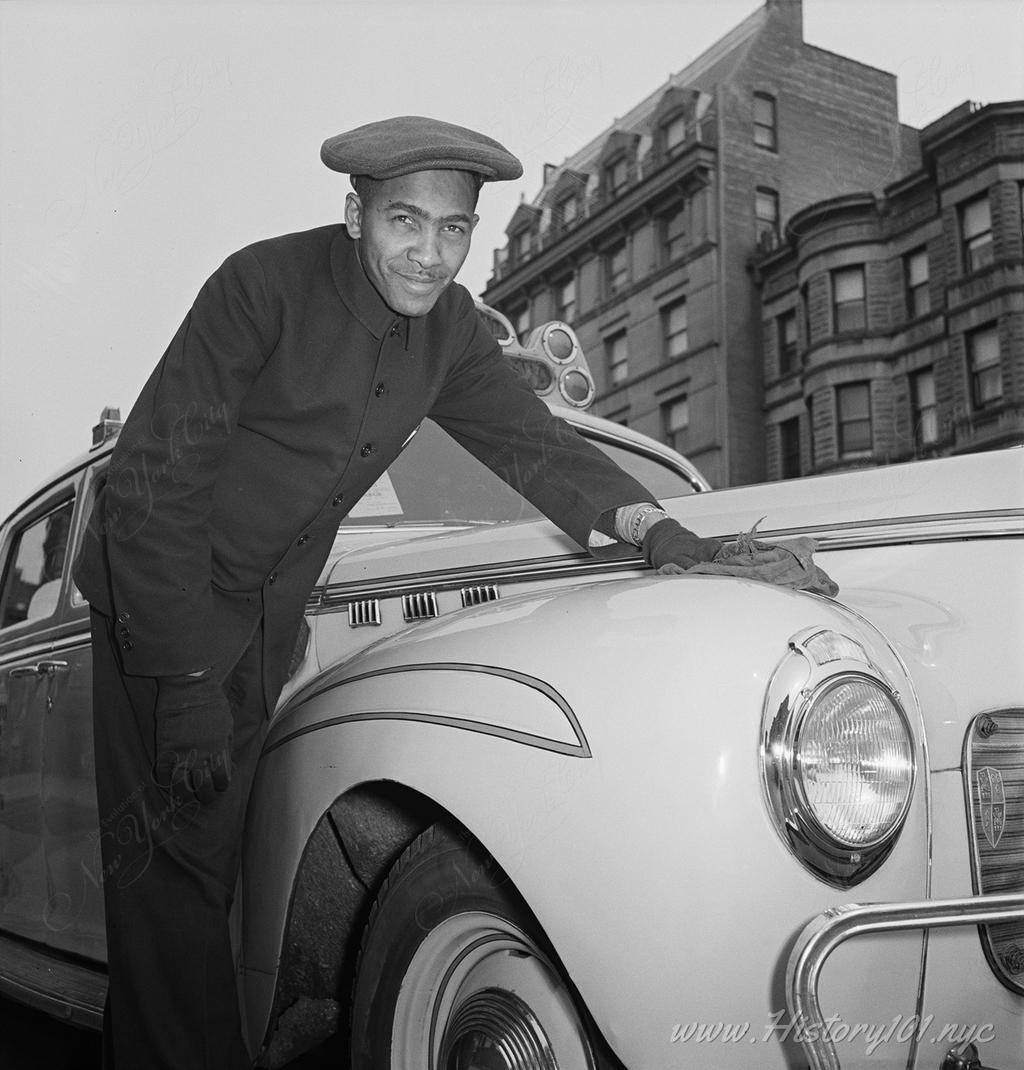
(356, 290)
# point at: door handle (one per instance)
(44, 667)
(24, 670)
(41, 668)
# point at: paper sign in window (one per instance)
(379, 500)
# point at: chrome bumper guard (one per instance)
(823, 934)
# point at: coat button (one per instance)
(395, 328)
(125, 632)
(303, 539)
(338, 499)
(127, 645)
(379, 389)
(366, 450)
(123, 618)
(272, 578)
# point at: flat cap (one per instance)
(408, 143)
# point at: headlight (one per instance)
(837, 758)
(853, 761)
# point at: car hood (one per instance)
(917, 500)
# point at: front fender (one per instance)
(602, 743)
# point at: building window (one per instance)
(915, 271)
(986, 373)
(766, 214)
(565, 299)
(853, 405)
(673, 133)
(849, 308)
(805, 307)
(789, 448)
(810, 432)
(764, 121)
(568, 210)
(520, 246)
(520, 318)
(976, 228)
(925, 412)
(616, 175)
(673, 233)
(786, 331)
(618, 357)
(616, 266)
(673, 323)
(675, 419)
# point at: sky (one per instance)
(142, 142)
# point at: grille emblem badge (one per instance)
(992, 803)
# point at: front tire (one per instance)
(452, 973)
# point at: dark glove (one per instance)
(193, 735)
(669, 547)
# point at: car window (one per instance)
(97, 481)
(34, 566)
(436, 481)
(661, 480)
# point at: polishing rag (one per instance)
(789, 564)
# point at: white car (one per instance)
(524, 809)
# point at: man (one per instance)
(303, 366)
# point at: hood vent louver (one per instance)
(366, 611)
(475, 596)
(419, 606)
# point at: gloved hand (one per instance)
(193, 734)
(671, 548)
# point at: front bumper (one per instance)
(824, 933)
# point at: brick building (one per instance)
(893, 323)
(644, 239)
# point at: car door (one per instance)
(73, 870)
(34, 547)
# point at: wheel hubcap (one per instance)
(495, 1030)
(480, 995)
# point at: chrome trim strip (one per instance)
(581, 749)
(931, 528)
(337, 595)
(655, 451)
(824, 933)
(860, 534)
(53, 646)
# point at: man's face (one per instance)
(413, 234)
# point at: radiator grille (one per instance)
(994, 782)
(419, 606)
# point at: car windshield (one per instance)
(436, 481)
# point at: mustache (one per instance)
(425, 276)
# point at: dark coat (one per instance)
(283, 396)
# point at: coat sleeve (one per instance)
(488, 409)
(146, 559)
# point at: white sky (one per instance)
(140, 143)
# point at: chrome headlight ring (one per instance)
(837, 757)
